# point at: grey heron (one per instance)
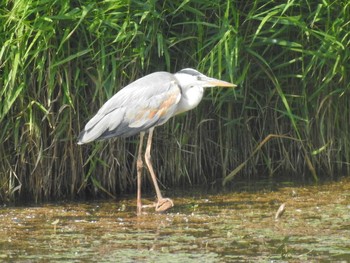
(144, 104)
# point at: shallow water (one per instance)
(228, 227)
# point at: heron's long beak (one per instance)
(219, 83)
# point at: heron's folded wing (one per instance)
(155, 110)
(147, 102)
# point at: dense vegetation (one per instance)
(60, 60)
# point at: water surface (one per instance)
(228, 227)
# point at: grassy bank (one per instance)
(60, 60)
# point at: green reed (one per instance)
(60, 60)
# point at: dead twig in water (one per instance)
(280, 211)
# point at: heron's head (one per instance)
(190, 78)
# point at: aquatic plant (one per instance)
(60, 60)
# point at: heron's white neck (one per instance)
(190, 98)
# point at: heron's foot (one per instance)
(164, 204)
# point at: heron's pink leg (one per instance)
(139, 175)
(163, 203)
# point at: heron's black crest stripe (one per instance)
(189, 71)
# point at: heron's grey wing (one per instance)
(147, 102)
